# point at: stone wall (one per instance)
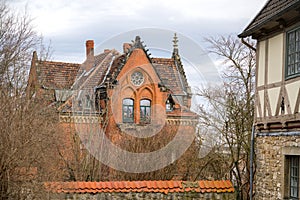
(269, 176)
(144, 196)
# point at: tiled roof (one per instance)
(60, 75)
(57, 75)
(272, 10)
(96, 74)
(104, 65)
(169, 74)
(223, 186)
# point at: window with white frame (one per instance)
(293, 53)
(292, 176)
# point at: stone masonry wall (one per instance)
(144, 196)
(269, 177)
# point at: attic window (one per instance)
(88, 102)
(169, 105)
(79, 104)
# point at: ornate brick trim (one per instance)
(182, 122)
(79, 119)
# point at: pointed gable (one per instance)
(135, 56)
(169, 70)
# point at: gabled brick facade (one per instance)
(97, 92)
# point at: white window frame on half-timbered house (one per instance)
(292, 68)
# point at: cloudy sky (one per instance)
(69, 23)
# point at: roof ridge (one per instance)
(60, 62)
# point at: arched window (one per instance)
(128, 114)
(145, 111)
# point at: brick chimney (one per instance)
(89, 48)
(126, 47)
(89, 44)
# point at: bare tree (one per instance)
(28, 129)
(229, 111)
(84, 167)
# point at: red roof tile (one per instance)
(57, 75)
(169, 74)
(140, 186)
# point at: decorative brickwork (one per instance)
(90, 96)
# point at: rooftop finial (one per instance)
(138, 43)
(175, 45)
(175, 41)
(137, 39)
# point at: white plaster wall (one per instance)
(292, 91)
(275, 59)
(273, 98)
(261, 64)
(261, 99)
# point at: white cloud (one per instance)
(56, 16)
(69, 22)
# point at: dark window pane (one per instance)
(294, 176)
(145, 111)
(128, 114)
(293, 53)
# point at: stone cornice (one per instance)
(97, 119)
(182, 122)
(79, 119)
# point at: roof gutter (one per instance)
(248, 45)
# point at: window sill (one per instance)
(140, 130)
(292, 76)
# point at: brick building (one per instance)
(117, 93)
(277, 120)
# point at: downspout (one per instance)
(251, 162)
(248, 45)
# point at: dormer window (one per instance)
(88, 102)
(293, 53)
(79, 104)
(169, 104)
